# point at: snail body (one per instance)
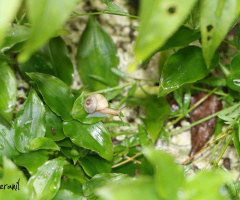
(98, 103)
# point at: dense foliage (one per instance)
(54, 149)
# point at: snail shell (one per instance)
(95, 102)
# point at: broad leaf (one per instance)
(52, 59)
(54, 128)
(29, 122)
(80, 114)
(216, 18)
(40, 16)
(31, 161)
(100, 180)
(142, 188)
(56, 94)
(91, 136)
(74, 172)
(15, 182)
(93, 165)
(196, 187)
(70, 189)
(15, 34)
(7, 146)
(7, 14)
(159, 20)
(8, 91)
(43, 143)
(168, 175)
(185, 66)
(45, 182)
(96, 43)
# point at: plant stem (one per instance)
(224, 69)
(99, 13)
(224, 149)
(206, 90)
(110, 89)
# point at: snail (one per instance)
(97, 106)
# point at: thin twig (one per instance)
(125, 161)
(137, 161)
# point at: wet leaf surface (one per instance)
(201, 133)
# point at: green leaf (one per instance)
(79, 113)
(163, 18)
(168, 175)
(70, 189)
(91, 136)
(31, 160)
(45, 182)
(15, 34)
(29, 122)
(157, 111)
(8, 11)
(43, 143)
(8, 91)
(96, 43)
(13, 178)
(196, 187)
(40, 16)
(185, 66)
(74, 171)
(54, 128)
(7, 146)
(216, 18)
(56, 94)
(233, 79)
(182, 37)
(100, 180)
(237, 139)
(142, 188)
(93, 165)
(113, 8)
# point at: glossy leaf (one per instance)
(31, 161)
(216, 18)
(71, 154)
(7, 146)
(56, 94)
(74, 172)
(43, 143)
(93, 165)
(8, 91)
(100, 180)
(70, 189)
(142, 188)
(196, 187)
(52, 59)
(7, 14)
(40, 16)
(185, 66)
(15, 34)
(80, 114)
(91, 136)
(12, 175)
(162, 17)
(45, 182)
(233, 78)
(54, 129)
(96, 43)
(182, 37)
(29, 122)
(168, 175)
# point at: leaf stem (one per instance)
(206, 90)
(99, 13)
(224, 149)
(224, 69)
